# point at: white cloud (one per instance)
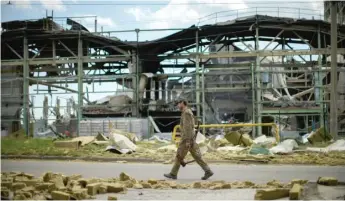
(56, 5)
(89, 22)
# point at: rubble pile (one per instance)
(22, 186)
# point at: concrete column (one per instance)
(26, 117)
(80, 81)
(334, 67)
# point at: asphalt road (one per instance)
(229, 172)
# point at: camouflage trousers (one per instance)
(184, 147)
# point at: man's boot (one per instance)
(207, 175)
(170, 176)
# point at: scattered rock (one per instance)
(216, 187)
(115, 188)
(103, 189)
(298, 181)
(327, 181)
(295, 192)
(5, 193)
(275, 183)
(92, 189)
(124, 177)
(138, 186)
(271, 194)
(152, 181)
(19, 197)
(44, 186)
(6, 184)
(226, 186)
(146, 185)
(59, 195)
(18, 186)
(80, 194)
(197, 185)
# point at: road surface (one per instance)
(228, 172)
(255, 173)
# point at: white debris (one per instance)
(121, 142)
(118, 151)
(84, 140)
(287, 146)
(231, 148)
(338, 145)
(201, 141)
(264, 140)
(155, 138)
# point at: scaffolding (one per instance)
(248, 63)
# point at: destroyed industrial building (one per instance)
(227, 83)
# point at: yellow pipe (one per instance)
(173, 137)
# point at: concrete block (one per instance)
(7, 184)
(295, 192)
(327, 181)
(197, 185)
(146, 185)
(82, 182)
(44, 186)
(271, 194)
(80, 194)
(58, 181)
(47, 176)
(128, 184)
(115, 188)
(298, 181)
(152, 181)
(275, 183)
(226, 186)
(102, 189)
(92, 189)
(18, 186)
(59, 195)
(5, 193)
(67, 144)
(138, 186)
(112, 197)
(124, 177)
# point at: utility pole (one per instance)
(334, 67)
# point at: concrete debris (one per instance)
(338, 145)
(271, 194)
(101, 137)
(80, 194)
(295, 192)
(146, 185)
(114, 149)
(197, 185)
(158, 139)
(138, 186)
(131, 136)
(152, 181)
(18, 186)
(44, 186)
(327, 181)
(285, 147)
(298, 181)
(59, 195)
(93, 189)
(124, 177)
(236, 138)
(231, 149)
(264, 140)
(115, 188)
(67, 144)
(120, 141)
(320, 135)
(257, 149)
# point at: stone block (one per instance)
(18, 186)
(44, 186)
(92, 189)
(152, 181)
(124, 177)
(115, 188)
(327, 181)
(146, 185)
(271, 194)
(138, 186)
(112, 197)
(295, 192)
(59, 195)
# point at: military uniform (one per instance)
(186, 144)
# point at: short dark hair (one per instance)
(184, 102)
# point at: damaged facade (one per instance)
(237, 76)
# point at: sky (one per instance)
(129, 15)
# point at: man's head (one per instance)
(182, 104)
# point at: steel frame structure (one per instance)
(62, 54)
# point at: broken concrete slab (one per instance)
(80, 194)
(320, 135)
(298, 181)
(152, 181)
(92, 189)
(67, 144)
(59, 195)
(327, 181)
(18, 186)
(236, 138)
(295, 192)
(84, 140)
(146, 184)
(271, 194)
(7, 184)
(44, 186)
(101, 137)
(124, 177)
(115, 188)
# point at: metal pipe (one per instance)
(258, 81)
(80, 81)
(197, 78)
(334, 77)
(26, 118)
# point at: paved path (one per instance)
(254, 173)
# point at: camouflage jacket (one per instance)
(187, 125)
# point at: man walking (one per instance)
(188, 143)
